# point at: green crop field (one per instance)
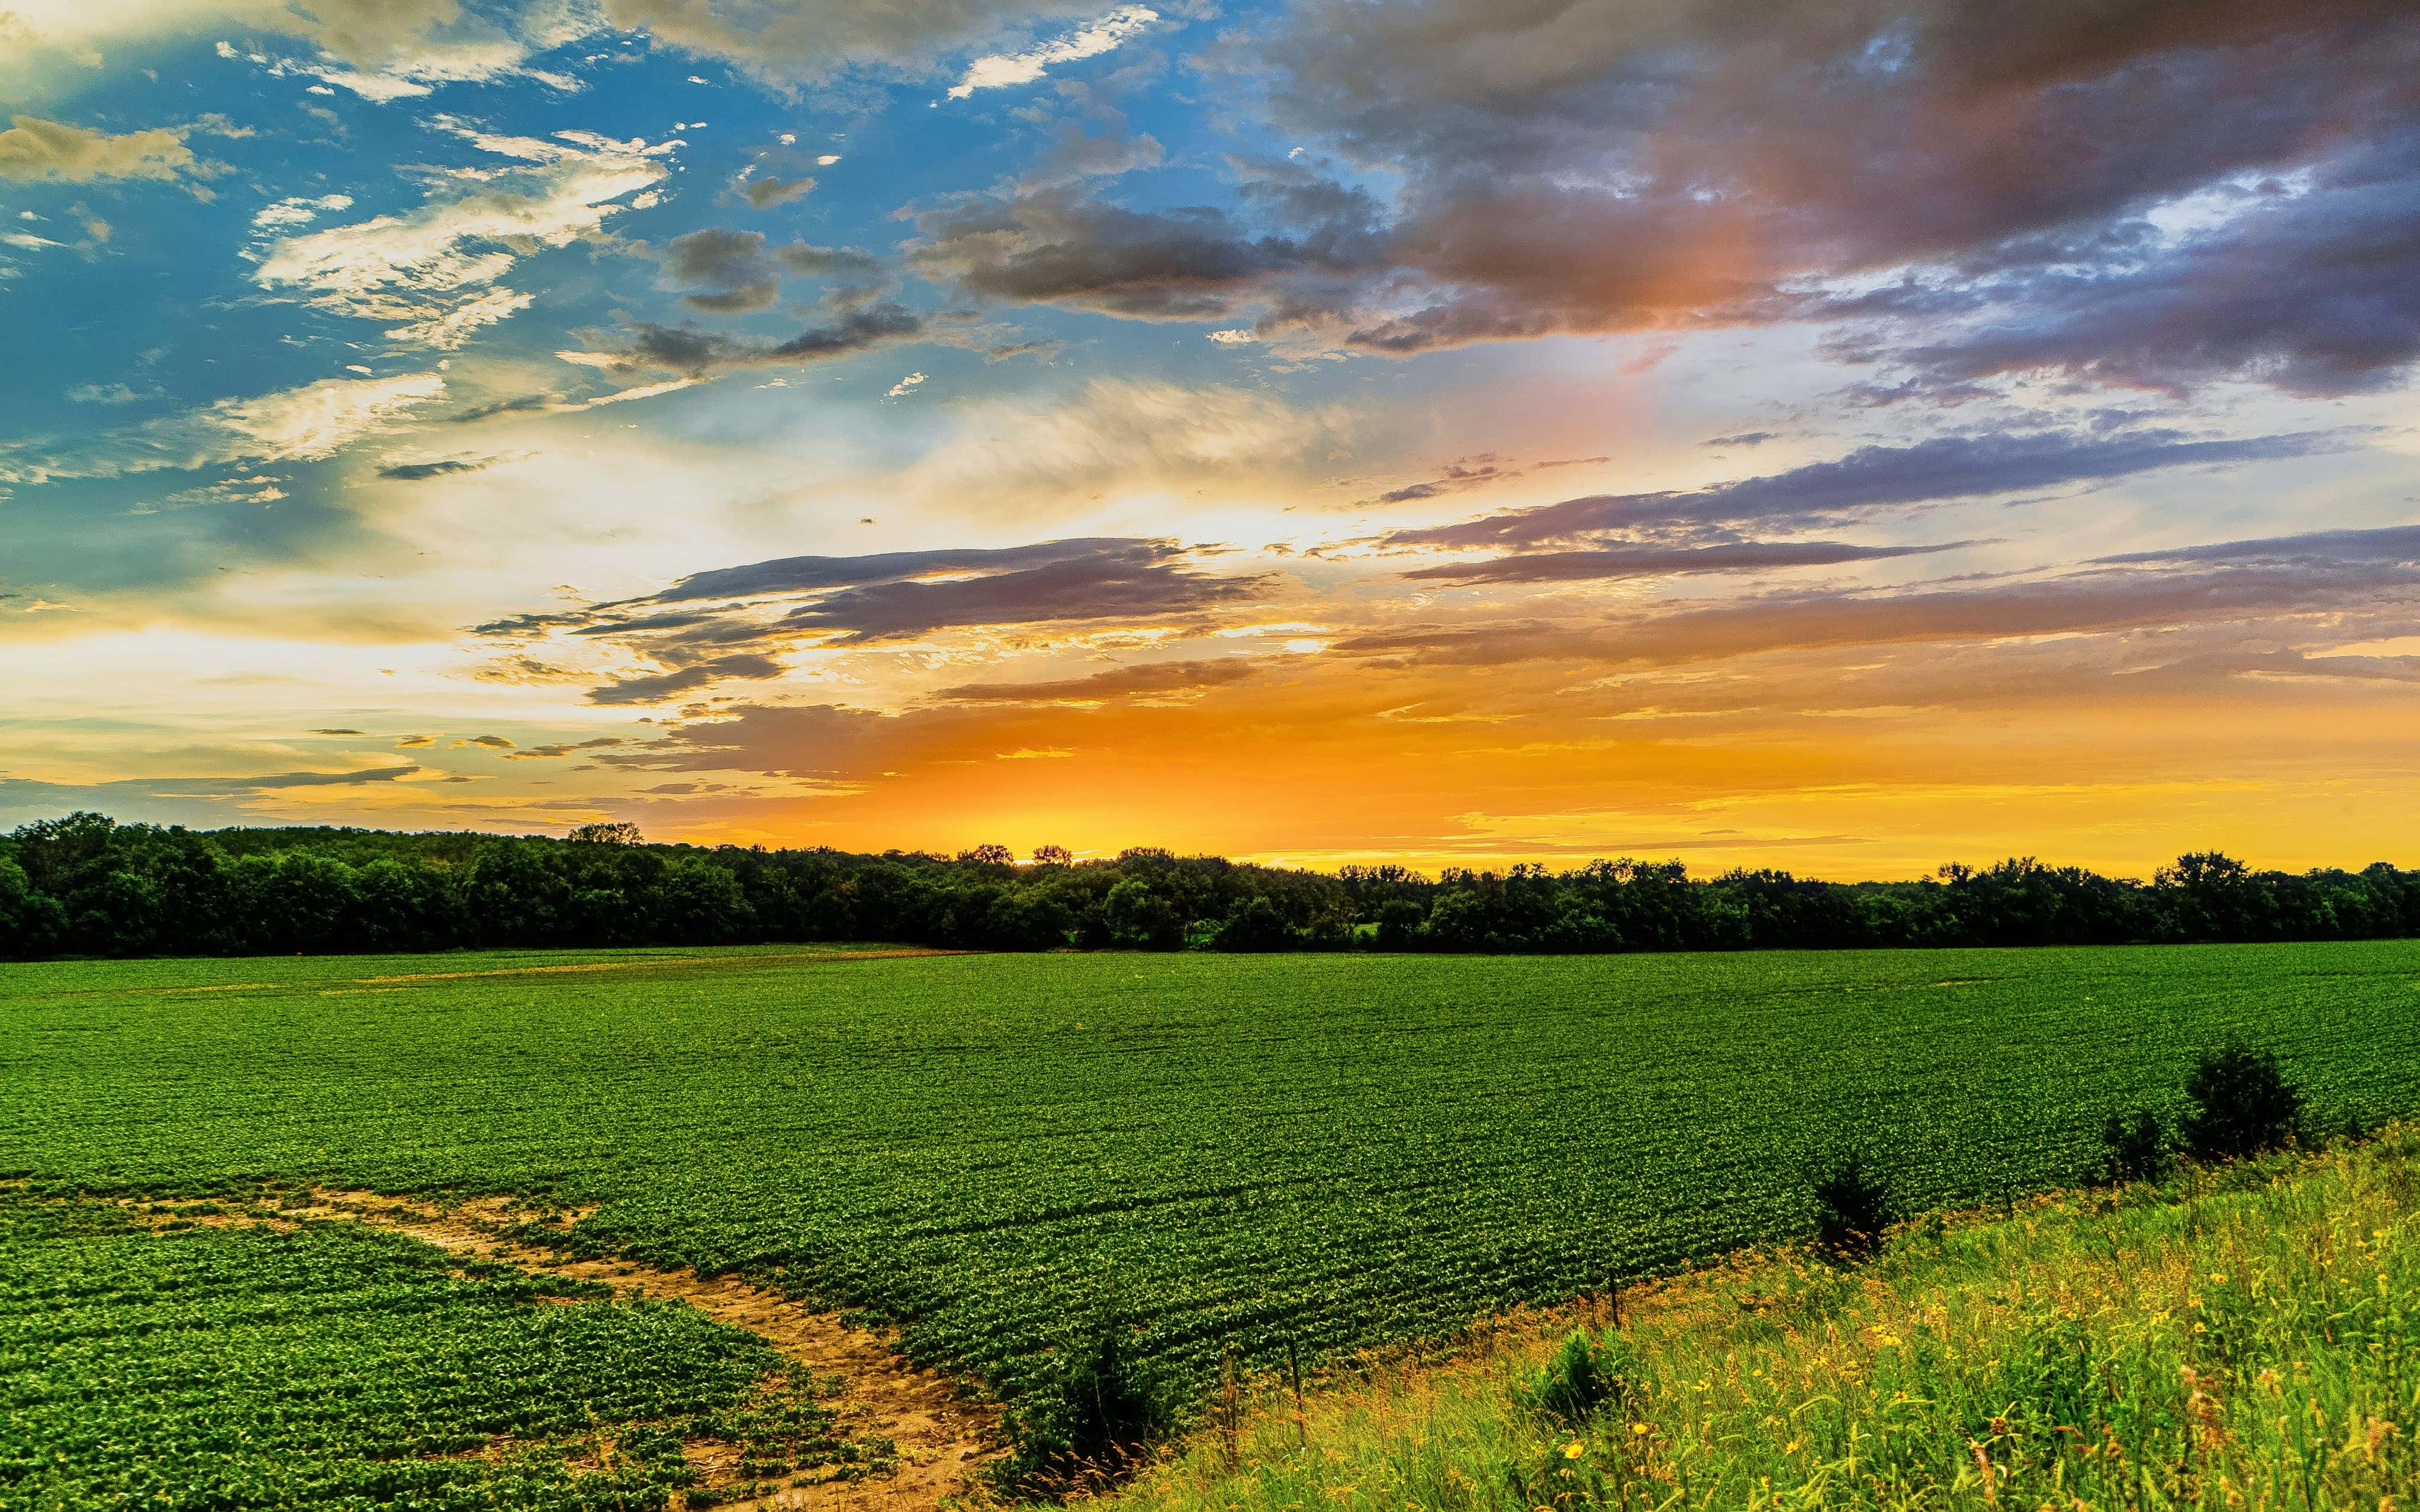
(335, 1366)
(1335, 1150)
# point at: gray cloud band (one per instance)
(1943, 468)
(1594, 168)
(698, 626)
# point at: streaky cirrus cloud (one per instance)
(2327, 573)
(207, 800)
(1154, 679)
(1943, 467)
(2391, 544)
(1666, 562)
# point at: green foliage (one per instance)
(334, 1365)
(1583, 1374)
(1088, 1409)
(2138, 1147)
(1852, 1206)
(2243, 1104)
(1136, 917)
(86, 885)
(2253, 1346)
(1343, 1150)
(1256, 925)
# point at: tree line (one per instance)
(86, 885)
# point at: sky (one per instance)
(1845, 435)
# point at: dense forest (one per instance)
(85, 884)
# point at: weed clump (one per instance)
(1097, 1405)
(1852, 1207)
(2137, 1146)
(2243, 1104)
(1583, 1375)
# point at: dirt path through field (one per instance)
(943, 1440)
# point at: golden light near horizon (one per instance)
(734, 431)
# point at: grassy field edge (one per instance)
(2243, 1337)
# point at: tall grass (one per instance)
(2247, 1336)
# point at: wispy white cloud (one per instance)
(301, 425)
(1000, 70)
(390, 50)
(298, 212)
(420, 70)
(431, 275)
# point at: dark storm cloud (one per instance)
(1652, 562)
(1593, 168)
(1123, 682)
(1943, 468)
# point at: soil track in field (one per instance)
(944, 1439)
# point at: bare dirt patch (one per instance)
(944, 1439)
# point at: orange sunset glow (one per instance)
(1443, 434)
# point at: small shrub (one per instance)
(1099, 1406)
(1852, 1207)
(2138, 1147)
(2243, 1104)
(1583, 1375)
